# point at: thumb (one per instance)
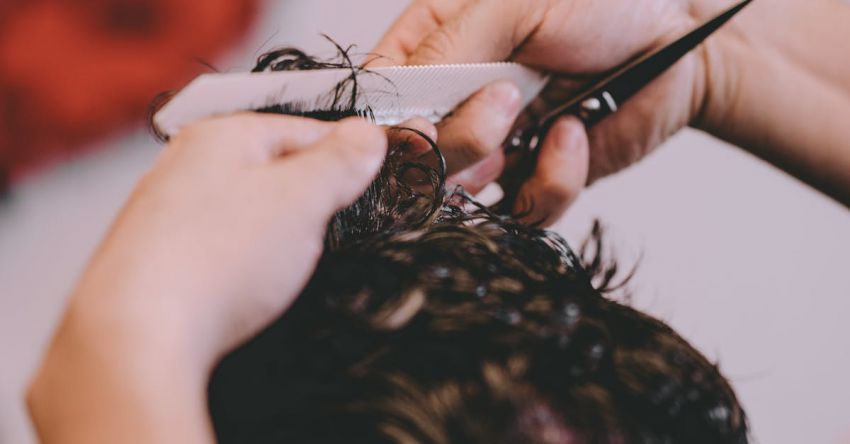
(483, 31)
(336, 170)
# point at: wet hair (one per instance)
(432, 319)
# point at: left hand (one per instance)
(575, 41)
(214, 244)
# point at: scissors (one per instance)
(604, 97)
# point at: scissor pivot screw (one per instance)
(592, 104)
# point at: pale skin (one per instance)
(220, 236)
(214, 243)
(775, 81)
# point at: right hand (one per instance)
(216, 241)
(576, 40)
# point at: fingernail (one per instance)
(566, 135)
(506, 96)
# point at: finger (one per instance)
(333, 172)
(628, 135)
(477, 177)
(479, 126)
(253, 136)
(482, 31)
(414, 24)
(560, 174)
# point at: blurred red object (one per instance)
(73, 70)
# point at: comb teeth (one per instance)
(328, 115)
(433, 91)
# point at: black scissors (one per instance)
(602, 98)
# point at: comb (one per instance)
(391, 94)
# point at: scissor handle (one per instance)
(600, 99)
(593, 108)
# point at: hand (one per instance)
(215, 242)
(577, 40)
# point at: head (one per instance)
(430, 319)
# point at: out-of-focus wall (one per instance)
(745, 262)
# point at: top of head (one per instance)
(430, 319)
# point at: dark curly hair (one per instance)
(432, 319)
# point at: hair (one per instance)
(432, 319)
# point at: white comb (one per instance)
(394, 94)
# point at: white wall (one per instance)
(748, 264)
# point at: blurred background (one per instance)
(747, 263)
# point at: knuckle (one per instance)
(435, 47)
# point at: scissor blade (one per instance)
(625, 82)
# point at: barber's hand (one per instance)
(215, 243)
(577, 40)
(230, 222)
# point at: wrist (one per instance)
(768, 102)
(717, 85)
(100, 385)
